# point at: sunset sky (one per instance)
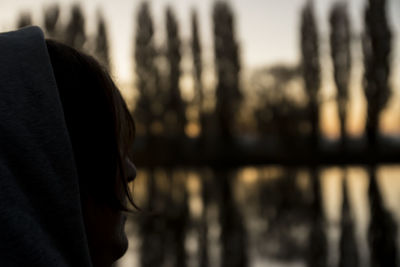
(267, 30)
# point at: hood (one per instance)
(41, 221)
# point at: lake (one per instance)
(272, 203)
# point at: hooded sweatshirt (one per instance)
(41, 222)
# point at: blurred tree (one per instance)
(279, 111)
(227, 65)
(348, 244)
(233, 233)
(75, 31)
(318, 248)
(377, 47)
(101, 42)
(177, 214)
(228, 100)
(198, 67)
(382, 232)
(341, 57)
(174, 125)
(175, 117)
(24, 19)
(152, 227)
(51, 16)
(148, 81)
(285, 206)
(203, 256)
(311, 74)
(199, 98)
(311, 67)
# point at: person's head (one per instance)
(101, 131)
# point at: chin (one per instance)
(121, 243)
(121, 248)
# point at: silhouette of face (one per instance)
(105, 226)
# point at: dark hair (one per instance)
(100, 126)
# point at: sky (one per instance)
(257, 22)
(267, 31)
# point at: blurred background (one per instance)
(268, 132)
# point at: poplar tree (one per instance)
(311, 67)
(377, 47)
(318, 248)
(341, 57)
(101, 49)
(382, 231)
(152, 230)
(24, 19)
(175, 118)
(51, 16)
(228, 100)
(227, 65)
(147, 76)
(349, 256)
(75, 35)
(199, 98)
(197, 67)
(233, 233)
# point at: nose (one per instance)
(131, 170)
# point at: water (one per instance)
(274, 212)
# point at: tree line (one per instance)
(161, 111)
(376, 46)
(73, 32)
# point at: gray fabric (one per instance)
(41, 220)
